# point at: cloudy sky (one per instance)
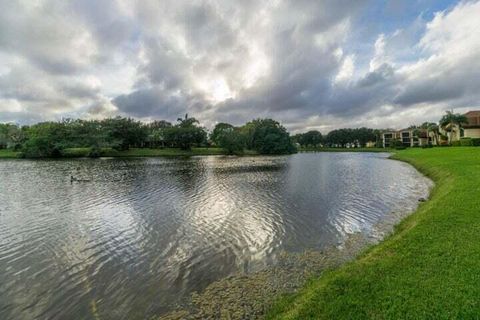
(311, 64)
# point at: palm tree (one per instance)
(449, 120)
(431, 127)
(378, 138)
(187, 122)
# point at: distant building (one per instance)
(408, 137)
(420, 137)
(472, 129)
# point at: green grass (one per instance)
(6, 153)
(143, 152)
(428, 269)
(136, 152)
(344, 150)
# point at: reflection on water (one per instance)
(145, 233)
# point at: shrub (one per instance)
(476, 142)
(443, 144)
(466, 142)
(41, 147)
(94, 152)
(232, 141)
(397, 144)
(456, 143)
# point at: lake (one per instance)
(136, 236)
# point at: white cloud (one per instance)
(380, 56)
(347, 69)
(451, 70)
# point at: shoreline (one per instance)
(226, 298)
(71, 153)
(404, 275)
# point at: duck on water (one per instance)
(73, 179)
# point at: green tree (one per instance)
(431, 128)
(357, 136)
(339, 137)
(46, 139)
(297, 138)
(186, 133)
(11, 136)
(123, 133)
(267, 136)
(363, 135)
(157, 133)
(219, 129)
(3, 136)
(231, 140)
(450, 120)
(378, 138)
(310, 138)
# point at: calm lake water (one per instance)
(143, 234)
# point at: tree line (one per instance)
(265, 136)
(357, 137)
(50, 139)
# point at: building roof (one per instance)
(473, 113)
(473, 119)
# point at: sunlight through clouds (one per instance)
(325, 63)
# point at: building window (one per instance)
(387, 137)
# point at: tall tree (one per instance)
(219, 129)
(231, 140)
(156, 133)
(431, 129)
(311, 138)
(186, 133)
(124, 133)
(450, 120)
(267, 136)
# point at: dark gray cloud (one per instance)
(151, 102)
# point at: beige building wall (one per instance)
(472, 133)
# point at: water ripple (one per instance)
(144, 234)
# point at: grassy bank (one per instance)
(428, 269)
(5, 153)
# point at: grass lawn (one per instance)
(428, 269)
(5, 153)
